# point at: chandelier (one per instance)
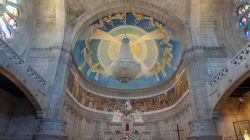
(125, 68)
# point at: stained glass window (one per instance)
(5, 28)
(13, 10)
(10, 20)
(8, 17)
(247, 30)
(243, 21)
(242, 8)
(13, 1)
(243, 12)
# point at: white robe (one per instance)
(246, 136)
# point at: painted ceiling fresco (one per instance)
(152, 44)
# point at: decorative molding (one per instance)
(46, 48)
(231, 65)
(15, 58)
(72, 106)
(33, 82)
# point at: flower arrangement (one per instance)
(126, 136)
(136, 131)
(118, 131)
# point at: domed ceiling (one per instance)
(152, 44)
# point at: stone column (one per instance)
(51, 126)
(203, 127)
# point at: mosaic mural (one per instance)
(152, 44)
(109, 105)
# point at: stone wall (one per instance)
(21, 36)
(17, 117)
(203, 22)
(47, 37)
(229, 32)
(165, 129)
(82, 127)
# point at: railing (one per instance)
(235, 68)
(231, 65)
(8, 54)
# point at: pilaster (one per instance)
(196, 62)
(51, 126)
(203, 127)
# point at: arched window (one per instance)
(9, 12)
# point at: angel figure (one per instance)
(151, 23)
(138, 18)
(121, 17)
(167, 60)
(168, 52)
(109, 20)
(100, 25)
(246, 135)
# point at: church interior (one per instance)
(124, 69)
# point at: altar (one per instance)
(127, 125)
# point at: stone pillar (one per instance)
(203, 127)
(51, 129)
(51, 126)
(55, 99)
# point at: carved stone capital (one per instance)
(51, 129)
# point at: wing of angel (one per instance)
(149, 36)
(159, 33)
(102, 35)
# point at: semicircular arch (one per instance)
(22, 87)
(173, 22)
(217, 106)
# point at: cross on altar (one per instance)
(178, 131)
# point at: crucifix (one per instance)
(178, 131)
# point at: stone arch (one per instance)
(180, 29)
(24, 77)
(13, 78)
(236, 71)
(229, 91)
